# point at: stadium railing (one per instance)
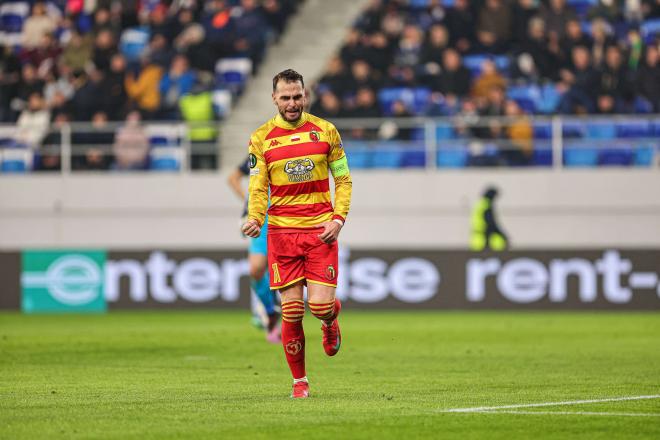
(380, 143)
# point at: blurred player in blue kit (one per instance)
(258, 261)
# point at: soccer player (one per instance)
(292, 154)
(257, 260)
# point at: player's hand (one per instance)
(330, 232)
(251, 228)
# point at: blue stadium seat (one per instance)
(164, 164)
(444, 132)
(542, 157)
(643, 155)
(385, 157)
(581, 6)
(619, 155)
(601, 130)
(12, 16)
(452, 157)
(572, 128)
(550, 98)
(528, 97)
(542, 130)
(473, 63)
(634, 129)
(416, 99)
(579, 156)
(233, 73)
(15, 160)
(650, 29)
(358, 159)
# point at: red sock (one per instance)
(293, 336)
(326, 312)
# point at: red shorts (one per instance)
(294, 256)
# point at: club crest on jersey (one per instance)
(314, 136)
(252, 160)
(299, 170)
(293, 347)
(330, 273)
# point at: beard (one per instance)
(288, 119)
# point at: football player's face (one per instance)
(289, 97)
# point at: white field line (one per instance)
(535, 405)
(569, 413)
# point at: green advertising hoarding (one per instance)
(56, 281)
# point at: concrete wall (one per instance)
(400, 209)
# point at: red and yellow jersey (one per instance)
(293, 161)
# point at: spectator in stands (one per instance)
(158, 51)
(197, 109)
(275, 16)
(32, 125)
(454, 80)
(30, 83)
(601, 40)
(378, 51)
(519, 133)
(58, 91)
(494, 26)
(535, 46)
(104, 20)
(573, 37)
(49, 157)
(365, 104)
(522, 13)
(191, 42)
(105, 47)
(435, 44)
(328, 106)
(91, 147)
(371, 17)
(461, 22)
(10, 77)
(648, 78)
(401, 110)
(134, 41)
(409, 49)
(353, 48)
(114, 91)
(177, 82)
(250, 31)
(335, 77)
(142, 88)
(131, 146)
(606, 9)
(44, 56)
(402, 77)
(362, 76)
(37, 25)
(578, 83)
(86, 99)
(555, 15)
(488, 79)
(78, 51)
(614, 83)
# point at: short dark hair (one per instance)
(289, 76)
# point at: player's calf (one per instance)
(327, 313)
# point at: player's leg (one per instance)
(285, 267)
(321, 274)
(260, 282)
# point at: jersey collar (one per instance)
(282, 123)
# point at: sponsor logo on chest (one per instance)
(299, 170)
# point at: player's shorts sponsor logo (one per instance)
(293, 347)
(299, 170)
(252, 160)
(330, 273)
(314, 136)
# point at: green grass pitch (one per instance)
(160, 375)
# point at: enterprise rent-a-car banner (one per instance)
(93, 280)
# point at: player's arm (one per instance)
(343, 187)
(234, 182)
(257, 189)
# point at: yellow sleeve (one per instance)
(340, 172)
(258, 187)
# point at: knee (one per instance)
(257, 272)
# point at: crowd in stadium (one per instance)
(587, 56)
(108, 60)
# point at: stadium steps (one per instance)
(313, 35)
